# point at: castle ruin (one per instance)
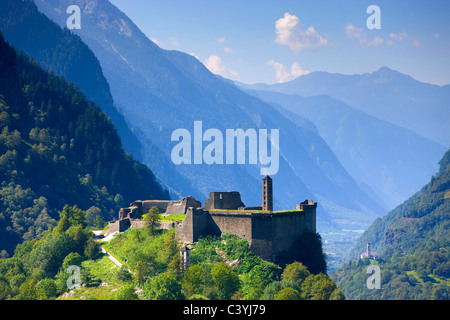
(268, 232)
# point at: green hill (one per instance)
(57, 148)
(413, 243)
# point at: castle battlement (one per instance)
(268, 232)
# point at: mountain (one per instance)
(60, 51)
(413, 245)
(65, 54)
(160, 91)
(391, 161)
(385, 94)
(57, 148)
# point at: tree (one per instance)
(193, 281)
(5, 289)
(142, 270)
(46, 289)
(295, 272)
(174, 267)
(92, 249)
(94, 217)
(125, 293)
(163, 287)
(123, 275)
(318, 287)
(257, 279)
(273, 288)
(225, 280)
(63, 225)
(152, 219)
(27, 290)
(170, 248)
(75, 216)
(288, 294)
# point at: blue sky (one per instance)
(275, 41)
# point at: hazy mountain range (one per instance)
(385, 94)
(354, 163)
(412, 243)
(159, 91)
(388, 161)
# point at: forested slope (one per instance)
(57, 148)
(413, 243)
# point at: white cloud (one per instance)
(221, 39)
(358, 33)
(174, 41)
(289, 32)
(214, 64)
(353, 32)
(375, 42)
(297, 70)
(283, 74)
(399, 36)
(403, 36)
(228, 50)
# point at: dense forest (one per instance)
(57, 148)
(221, 268)
(65, 54)
(413, 245)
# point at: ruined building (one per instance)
(369, 254)
(268, 232)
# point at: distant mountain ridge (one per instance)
(57, 148)
(159, 91)
(65, 54)
(385, 94)
(391, 160)
(413, 247)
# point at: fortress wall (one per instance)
(224, 200)
(197, 223)
(203, 224)
(160, 204)
(310, 219)
(262, 236)
(176, 208)
(180, 207)
(113, 227)
(286, 227)
(185, 230)
(236, 223)
(137, 223)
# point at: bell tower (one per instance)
(267, 194)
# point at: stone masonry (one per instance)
(268, 232)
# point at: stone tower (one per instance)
(185, 253)
(267, 194)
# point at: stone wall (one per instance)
(198, 222)
(224, 200)
(238, 223)
(268, 234)
(148, 204)
(180, 207)
(286, 227)
(119, 225)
